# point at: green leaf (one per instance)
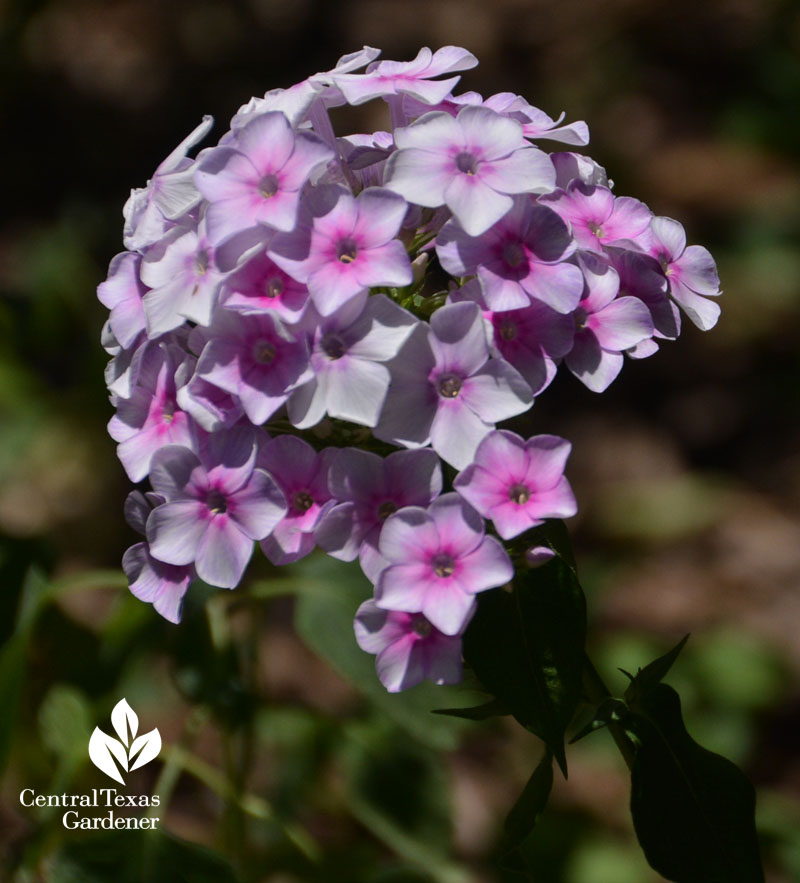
(64, 721)
(526, 647)
(138, 856)
(524, 814)
(493, 708)
(693, 810)
(653, 673)
(330, 594)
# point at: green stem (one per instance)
(597, 692)
(251, 804)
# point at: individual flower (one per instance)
(408, 648)
(348, 348)
(254, 358)
(386, 78)
(261, 286)
(518, 483)
(605, 326)
(150, 580)
(184, 271)
(151, 418)
(598, 218)
(532, 339)
(122, 293)
(369, 489)
(535, 122)
(641, 276)
(472, 163)
(518, 260)
(446, 389)
(439, 559)
(256, 177)
(691, 272)
(347, 246)
(216, 506)
(302, 475)
(169, 195)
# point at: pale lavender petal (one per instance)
(176, 473)
(448, 607)
(380, 216)
(702, 312)
(698, 270)
(596, 368)
(459, 338)
(622, 324)
(230, 456)
(175, 531)
(406, 587)
(420, 176)
(487, 567)
(258, 506)
(267, 141)
(560, 286)
(496, 392)
(456, 432)
(432, 132)
(459, 526)
(376, 629)
(527, 170)
(555, 502)
(476, 205)
(356, 390)
(488, 134)
(547, 459)
(162, 585)
(417, 475)
(381, 330)
(670, 238)
(387, 264)
(442, 655)
(306, 405)
(223, 553)
(338, 532)
(510, 519)
(409, 535)
(629, 218)
(400, 666)
(504, 456)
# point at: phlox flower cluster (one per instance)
(306, 328)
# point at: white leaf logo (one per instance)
(130, 752)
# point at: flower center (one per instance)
(519, 494)
(216, 502)
(201, 261)
(302, 501)
(386, 508)
(168, 411)
(274, 287)
(513, 254)
(466, 163)
(333, 346)
(579, 317)
(268, 186)
(264, 352)
(421, 626)
(596, 229)
(443, 565)
(449, 386)
(507, 329)
(347, 251)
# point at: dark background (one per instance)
(687, 470)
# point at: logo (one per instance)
(129, 751)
